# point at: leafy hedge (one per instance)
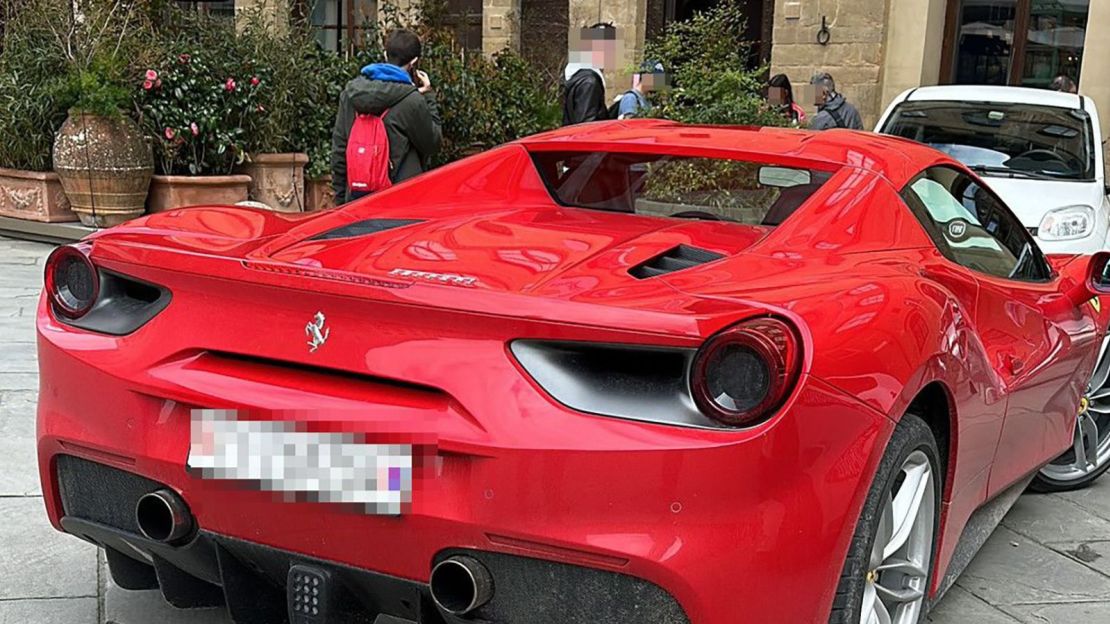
(707, 59)
(245, 88)
(208, 91)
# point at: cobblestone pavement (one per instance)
(1049, 562)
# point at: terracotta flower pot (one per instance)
(33, 195)
(318, 195)
(171, 192)
(105, 166)
(277, 180)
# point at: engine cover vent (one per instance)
(363, 228)
(675, 259)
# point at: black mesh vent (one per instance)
(676, 259)
(99, 493)
(535, 591)
(363, 228)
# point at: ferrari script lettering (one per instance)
(443, 278)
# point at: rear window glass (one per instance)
(678, 186)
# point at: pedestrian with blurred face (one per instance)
(593, 51)
(780, 95)
(387, 128)
(634, 102)
(833, 111)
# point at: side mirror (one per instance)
(1086, 277)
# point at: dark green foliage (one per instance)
(706, 57)
(52, 61)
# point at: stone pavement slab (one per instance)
(1073, 613)
(1046, 518)
(1012, 569)
(46, 563)
(1095, 499)
(19, 474)
(959, 605)
(49, 611)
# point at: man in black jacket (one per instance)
(584, 87)
(412, 122)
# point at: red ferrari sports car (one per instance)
(621, 372)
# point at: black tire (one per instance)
(1047, 485)
(910, 435)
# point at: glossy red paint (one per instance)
(734, 524)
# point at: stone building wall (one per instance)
(500, 25)
(854, 54)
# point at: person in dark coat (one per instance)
(833, 111)
(412, 122)
(584, 80)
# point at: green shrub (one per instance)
(129, 55)
(706, 58)
(31, 107)
(485, 102)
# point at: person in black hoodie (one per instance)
(584, 86)
(412, 122)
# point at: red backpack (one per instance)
(368, 154)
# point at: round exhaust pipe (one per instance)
(163, 517)
(461, 584)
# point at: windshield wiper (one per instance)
(1013, 173)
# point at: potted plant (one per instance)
(29, 189)
(29, 66)
(99, 153)
(195, 115)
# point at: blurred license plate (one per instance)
(280, 456)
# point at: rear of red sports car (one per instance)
(495, 397)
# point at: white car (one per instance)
(1041, 151)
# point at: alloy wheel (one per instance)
(1090, 449)
(897, 578)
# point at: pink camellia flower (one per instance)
(151, 75)
(261, 108)
(230, 84)
(183, 58)
(194, 128)
(169, 133)
(147, 85)
(255, 81)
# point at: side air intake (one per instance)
(363, 228)
(675, 259)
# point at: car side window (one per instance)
(972, 227)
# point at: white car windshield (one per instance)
(1019, 140)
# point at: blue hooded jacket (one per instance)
(386, 72)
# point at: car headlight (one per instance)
(1067, 223)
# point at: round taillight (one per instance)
(71, 282)
(743, 374)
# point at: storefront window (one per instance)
(985, 42)
(1055, 43)
(1015, 42)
